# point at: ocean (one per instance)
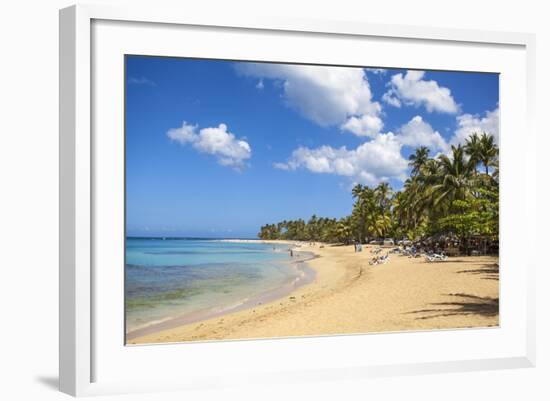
(183, 280)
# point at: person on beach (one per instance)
(291, 253)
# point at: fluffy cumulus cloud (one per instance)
(328, 96)
(412, 90)
(216, 141)
(418, 132)
(365, 125)
(372, 162)
(467, 124)
(391, 99)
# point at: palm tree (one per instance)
(488, 151)
(357, 190)
(418, 159)
(343, 230)
(361, 210)
(382, 225)
(441, 195)
(383, 194)
(430, 170)
(473, 149)
(455, 177)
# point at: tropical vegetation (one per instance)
(454, 194)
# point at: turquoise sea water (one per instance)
(171, 278)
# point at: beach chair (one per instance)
(436, 257)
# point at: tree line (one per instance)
(451, 194)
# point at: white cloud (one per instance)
(467, 124)
(365, 125)
(328, 96)
(185, 134)
(260, 84)
(390, 99)
(374, 161)
(412, 90)
(418, 132)
(216, 141)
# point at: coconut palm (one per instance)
(444, 194)
(455, 177)
(418, 159)
(381, 225)
(473, 149)
(344, 230)
(383, 194)
(488, 151)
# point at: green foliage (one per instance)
(477, 215)
(444, 195)
(471, 217)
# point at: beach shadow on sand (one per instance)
(488, 271)
(461, 305)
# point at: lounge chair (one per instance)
(435, 257)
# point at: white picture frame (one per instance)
(78, 220)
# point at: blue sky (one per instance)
(219, 148)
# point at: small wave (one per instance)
(150, 323)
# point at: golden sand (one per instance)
(351, 296)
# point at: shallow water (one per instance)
(170, 278)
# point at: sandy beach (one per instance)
(350, 296)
